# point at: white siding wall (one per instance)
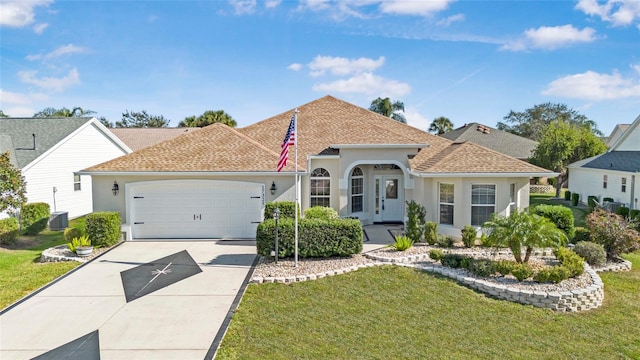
(632, 141)
(586, 182)
(86, 148)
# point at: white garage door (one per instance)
(194, 209)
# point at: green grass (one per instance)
(579, 212)
(20, 271)
(396, 312)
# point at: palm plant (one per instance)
(523, 230)
(389, 109)
(441, 125)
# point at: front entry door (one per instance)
(389, 199)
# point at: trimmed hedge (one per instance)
(634, 214)
(9, 231)
(103, 228)
(286, 209)
(623, 211)
(316, 238)
(592, 253)
(34, 217)
(575, 198)
(567, 195)
(321, 212)
(581, 234)
(71, 232)
(560, 215)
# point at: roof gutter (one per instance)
(381, 146)
(485, 175)
(190, 173)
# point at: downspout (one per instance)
(633, 204)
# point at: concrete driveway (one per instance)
(141, 300)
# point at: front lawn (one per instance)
(395, 312)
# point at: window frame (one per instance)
(321, 175)
(605, 179)
(77, 182)
(357, 175)
(448, 204)
(513, 198)
(623, 184)
(482, 205)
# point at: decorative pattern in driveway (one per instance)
(83, 348)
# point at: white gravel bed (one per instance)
(286, 267)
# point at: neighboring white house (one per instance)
(614, 174)
(214, 182)
(50, 151)
(616, 133)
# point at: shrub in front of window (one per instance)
(445, 241)
(34, 217)
(103, 228)
(402, 243)
(321, 212)
(592, 253)
(469, 235)
(575, 198)
(416, 214)
(431, 232)
(560, 215)
(9, 231)
(286, 209)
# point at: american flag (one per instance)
(289, 139)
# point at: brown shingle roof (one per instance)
(138, 138)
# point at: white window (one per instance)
(483, 203)
(357, 190)
(604, 181)
(513, 199)
(446, 204)
(76, 182)
(320, 187)
(624, 185)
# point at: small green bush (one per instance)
(455, 260)
(77, 242)
(484, 240)
(9, 231)
(416, 214)
(623, 211)
(634, 214)
(581, 234)
(591, 201)
(560, 215)
(575, 198)
(402, 243)
(321, 212)
(567, 195)
(483, 267)
(103, 228)
(431, 232)
(72, 232)
(469, 235)
(287, 209)
(522, 271)
(592, 253)
(445, 241)
(570, 260)
(504, 267)
(554, 275)
(436, 254)
(34, 217)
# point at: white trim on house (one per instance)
(344, 180)
(501, 175)
(193, 173)
(379, 146)
(621, 139)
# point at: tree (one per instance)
(12, 185)
(63, 112)
(562, 144)
(389, 109)
(142, 120)
(3, 115)
(532, 122)
(105, 122)
(440, 125)
(523, 230)
(207, 118)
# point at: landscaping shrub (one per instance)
(445, 241)
(316, 238)
(103, 228)
(483, 267)
(72, 232)
(431, 232)
(522, 271)
(320, 212)
(416, 214)
(623, 211)
(34, 217)
(575, 198)
(613, 232)
(80, 241)
(436, 254)
(286, 209)
(484, 242)
(9, 231)
(570, 260)
(592, 253)
(591, 201)
(634, 214)
(554, 275)
(402, 243)
(504, 267)
(469, 235)
(560, 215)
(581, 234)
(567, 195)
(455, 260)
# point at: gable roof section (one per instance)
(629, 132)
(617, 131)
(48, 132)
(138, 138)
(468, 157)
(616, 160)
(216, 147)
(502, 141)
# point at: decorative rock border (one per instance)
(300, 278)
(49, 256)
(623, 265)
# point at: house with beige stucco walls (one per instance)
(214, 182)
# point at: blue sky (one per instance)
(471, 61)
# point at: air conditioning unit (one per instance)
(59, 220)
(612, 206)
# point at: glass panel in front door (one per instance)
(391, 187)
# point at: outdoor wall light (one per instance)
(273, 188)
(115, 189)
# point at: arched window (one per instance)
(357, 190)
(320, 187)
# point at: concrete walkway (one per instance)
(175, 309)
(379, 235)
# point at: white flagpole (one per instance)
(296, 179)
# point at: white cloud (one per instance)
(60, 51)
(551, 37)
(152, 18)
(295, 67)
(343, 66)
(412, 7)
(50, 83)
(451, 19)
(617, 12)
(315, 5)
(594, 86)
(636, 67)
(270, 4)
(17, 104)
(19, 13)
(366, 83)
(39, 28)
(243, 7)
(415, 119)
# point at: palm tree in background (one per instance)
(63, 112)
(441, 125)
(389, 109)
